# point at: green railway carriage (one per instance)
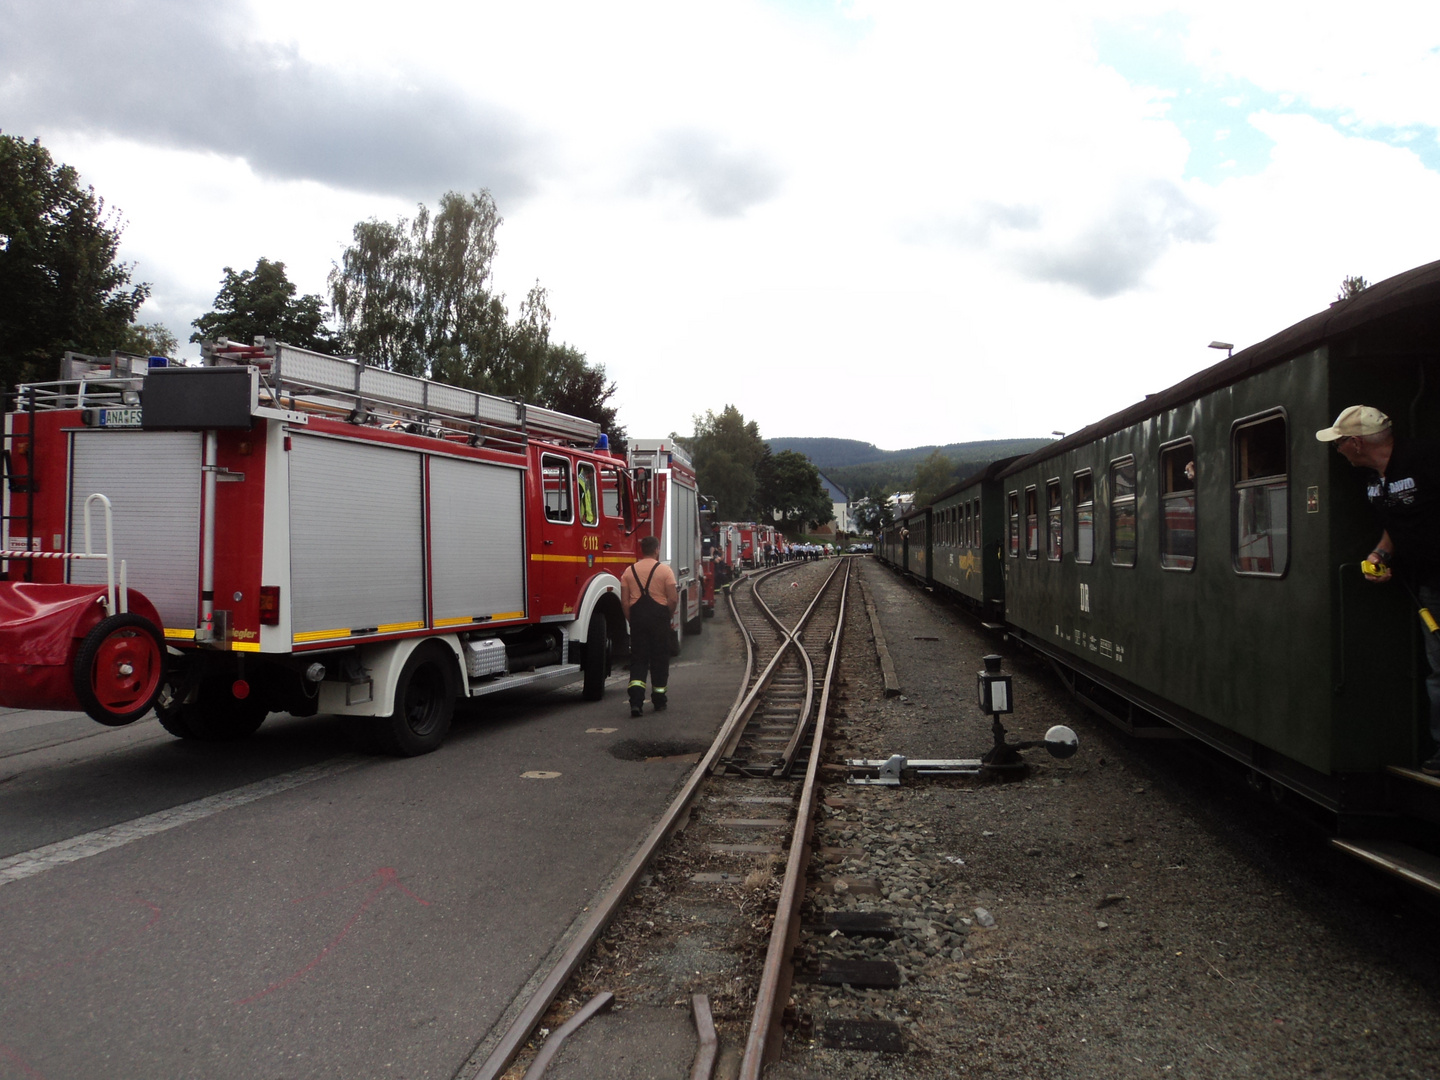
(1197, 555)
(892, 545)
(968, 527)
(915, 542)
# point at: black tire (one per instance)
(119, 669)
(424, 704)
(696, 626)
(216, 715)
(597, 657)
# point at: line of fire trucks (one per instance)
(286, 531)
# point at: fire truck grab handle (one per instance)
(548, 542)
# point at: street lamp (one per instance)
(1229, 348)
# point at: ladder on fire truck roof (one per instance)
(301, 380)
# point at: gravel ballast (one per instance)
(1147, 914)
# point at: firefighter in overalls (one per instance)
(650, 598)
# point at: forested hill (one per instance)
(853, 464)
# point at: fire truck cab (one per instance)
(304, 533)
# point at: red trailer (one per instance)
(305, 533)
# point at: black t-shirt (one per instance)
(1407, 503)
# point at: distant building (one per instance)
(839, 503)
(902, 502)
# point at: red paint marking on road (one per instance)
(9, 1055)
(389, 879)
(90, 957)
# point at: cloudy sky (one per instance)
(904, 222)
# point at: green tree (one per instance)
(727, 450)
(61, 285)
(1352, 286)
(416, 296)
(262, 303)
(933, 476)
(148, 339)
(872, 511)
(790, 485)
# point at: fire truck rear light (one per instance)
(241, 689)
(269, 605)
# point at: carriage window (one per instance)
(1260, 503)
(555, 474)
(1014, 501)
(585, 479)
(1177, 506)
(1032, 523)
(969, 526)
(1084, 517)
(1122, 512)
(979, 542)
(1053, 544)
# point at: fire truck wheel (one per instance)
(119, 668)
(597, 657)
(424, 703)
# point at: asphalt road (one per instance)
(288, 907)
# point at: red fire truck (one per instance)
(303, 533)
(753, 538)
(665, 478)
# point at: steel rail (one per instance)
(605, 910)
(763, 1042)
(792, 748)
(791, 640)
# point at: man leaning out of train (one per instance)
(1402, 484)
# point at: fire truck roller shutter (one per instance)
(356, 536)
(477, 539)
(153, 481)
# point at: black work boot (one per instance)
(659, 700)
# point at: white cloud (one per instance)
(906, 222)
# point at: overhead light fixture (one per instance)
(1229, 348)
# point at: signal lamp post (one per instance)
(996, 697)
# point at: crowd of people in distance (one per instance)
(774, 555)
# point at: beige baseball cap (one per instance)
(1356, 420)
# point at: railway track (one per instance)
(747, 808)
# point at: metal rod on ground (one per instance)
(709, 1046)
(552, 1045)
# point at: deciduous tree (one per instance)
(61, 283)
(148, 339)
(416, 296)
(933, 476)
(262, 303)
(790, 486)
(726, 450)
(1352, 286)
(872, 511)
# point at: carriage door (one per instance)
(560, 561)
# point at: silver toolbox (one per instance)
(485, 656)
